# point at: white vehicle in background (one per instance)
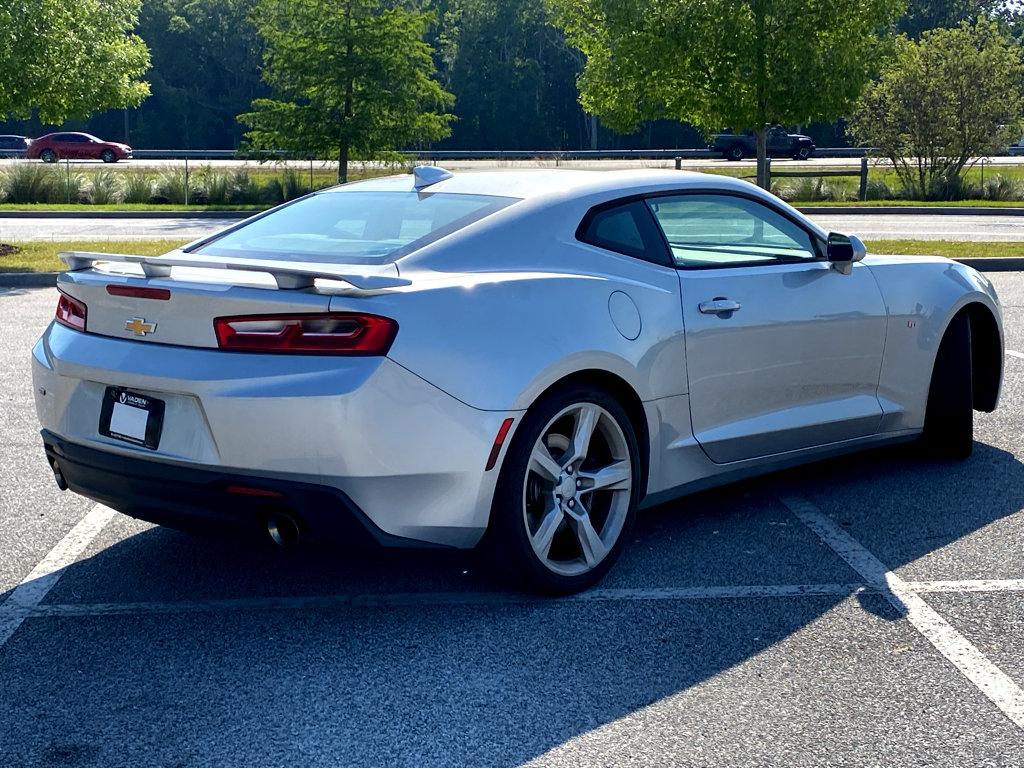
(518, 359)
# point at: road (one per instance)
(731, 633)
(869, 227)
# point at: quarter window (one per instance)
(726, 231)
(627, 229)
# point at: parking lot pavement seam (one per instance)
(717, 592)
(967, 658)
(33, 588)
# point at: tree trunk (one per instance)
(342, 162)
(762, 157)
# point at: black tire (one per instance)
(108, 156)
(48, 156)
(949, 418)
(507, 546)
(804, 153)
(735, 152)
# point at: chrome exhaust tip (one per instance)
(282, 529)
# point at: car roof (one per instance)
(527, 184)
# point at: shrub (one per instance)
(105, 187)
(173, 187)
(813, 189)
(214, 186)
(68, 187)
(879, 189)
(138, 188)
(242, 188)
(294, 184)
(272, 191)
(1001, 187)
(28, 183)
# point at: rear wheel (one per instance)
(567, 493)
(949, 418)
(48, 156)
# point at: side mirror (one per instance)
(843, 251)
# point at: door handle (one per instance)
(719, 306)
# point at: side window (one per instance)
(626, 228)
(727, 231)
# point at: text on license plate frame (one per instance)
(131, 417)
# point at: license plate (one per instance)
(132, 417)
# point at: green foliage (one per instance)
(173, 187)
(105, 187)
(214, 186)
(724, 63)
(349, 77)
(27, 183)
(514, 76)
(954, 96)
(206, 60)
(923, 15)
(68, 187)
(242, 188)
(138, 187)
(70, 58)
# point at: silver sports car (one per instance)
(517, 360)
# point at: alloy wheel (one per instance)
(577, 491)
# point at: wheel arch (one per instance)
(628, 397)
(986, 356)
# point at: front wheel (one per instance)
(803, 153)
(736, 152)
(108, 156)
(567, 493)
(949, 417)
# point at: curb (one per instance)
(49, 279)
(128, 214)
(28, 279)
(912, 210)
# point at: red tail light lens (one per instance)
(326, 334)
(70, 312)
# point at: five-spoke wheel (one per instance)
(567, 491)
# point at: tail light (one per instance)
(71, 312)
(324, 334)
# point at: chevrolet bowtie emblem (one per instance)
(139, 326)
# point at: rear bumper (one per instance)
(189, 498)
(406, 454)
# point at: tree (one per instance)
(742, 64)
(923, 15)
(70, 58)
(348, 76)
(513, 75)
(941, 103)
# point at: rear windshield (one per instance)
(354, 227)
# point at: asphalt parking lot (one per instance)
(866, 610)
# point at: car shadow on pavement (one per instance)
(494, 679)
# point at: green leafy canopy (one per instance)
(940, 103)
(354, 76)
(70, 58)
(724, 63)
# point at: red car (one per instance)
(76, 146)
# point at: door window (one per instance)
(728, 231)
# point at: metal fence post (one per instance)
(67, 184)
(679, 163)
(863, 194)
(186, 180)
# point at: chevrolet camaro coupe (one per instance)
(515, 360)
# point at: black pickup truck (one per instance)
(780, 144)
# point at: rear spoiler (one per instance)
(287, 275)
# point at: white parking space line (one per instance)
(40, 581)
(967, 658)
(1015, 354)
(968, 586)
